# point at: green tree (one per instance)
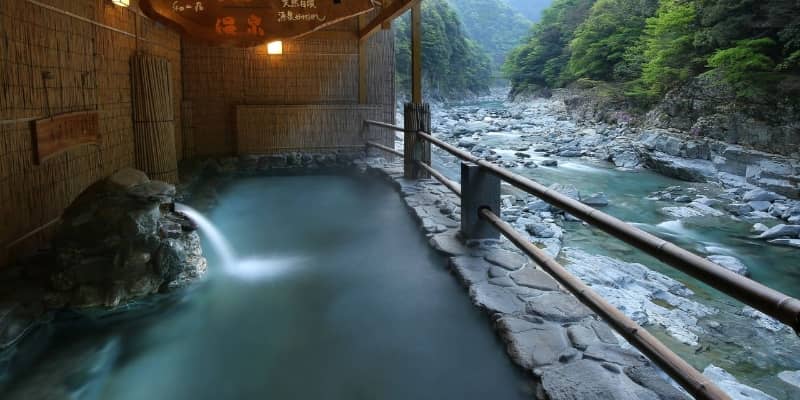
(453, 65)
(600, 49)
(541, 60)
(669, 51)
(495, 26)
(744, 64)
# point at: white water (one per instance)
(248, 269)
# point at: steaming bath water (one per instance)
(327, 290)
(252, 269)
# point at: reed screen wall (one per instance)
(318, 70)
(86, 46)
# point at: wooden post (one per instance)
(417, 118)
(416, 53)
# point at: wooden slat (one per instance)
(416, 54)
(390, 12)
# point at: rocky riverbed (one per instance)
(736, 206)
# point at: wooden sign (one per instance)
(63, 132)
(247, 23)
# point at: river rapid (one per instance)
(710, 330)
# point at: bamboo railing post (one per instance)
(417, 118)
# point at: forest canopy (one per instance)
(648, 47)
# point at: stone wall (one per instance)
(86, 46)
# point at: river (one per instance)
(729, 339)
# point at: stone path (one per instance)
(548, 332)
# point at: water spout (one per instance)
(221, 245)
(250, 269)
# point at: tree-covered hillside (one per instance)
(453, 65)
(648, 47)
(494, 26)
(532, 9)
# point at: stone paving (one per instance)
(548, 332)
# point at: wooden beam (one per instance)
(388, 13)
(362, 65)
(416, 53)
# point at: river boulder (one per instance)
(781, 231)
(731, 264)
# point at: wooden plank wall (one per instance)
(317, 70)
(87, 54)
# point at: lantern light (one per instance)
(275, 47)
(122, 3)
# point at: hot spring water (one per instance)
(319, 287)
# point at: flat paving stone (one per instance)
(506, 259)
(558, 306)
(604, 332)
(589, 380)
(448, 243)
(496, 299)
(504, 281)
(582, 336)
(648, 377)
(615, 354)
(534, 278)
(497, 272)
(471, 270)
(543, 345)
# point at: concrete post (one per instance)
(480, 189)
(417, 118)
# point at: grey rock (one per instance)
(541, 230)
(730, 385)
(542, 345)
(680, 168)
(496, 299)
(759, 228)
(648, 377)
(582, 336)
(568, 190)
(738, 209)
(504, 281)
(497, 272)
(596, 200)
(548, 163)
(127, 178)
(570, 153)
(506, 259)
(448, 243)
(626, 159)
(588, 380)
(614, 354)
(153, 191)
(470, 270)
(781, 231)
(558, 306)
(731, 264)
(760, 205)
(534, 278)
(761, 195)
(790, 377)
(786, 242)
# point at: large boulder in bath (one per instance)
(120, 240)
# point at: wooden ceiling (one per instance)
(246, 23)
